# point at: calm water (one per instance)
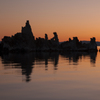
(50, 76)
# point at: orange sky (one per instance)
(68, 18)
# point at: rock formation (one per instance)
(20, 41)
(76, 45)
(55, 40)
(25, 41)
(27, 31)
(92, 44)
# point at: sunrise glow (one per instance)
(68, 18)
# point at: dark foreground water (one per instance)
(50, 76)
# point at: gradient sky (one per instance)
(69, 18)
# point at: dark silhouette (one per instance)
(23, 61)
(55, 40)
(20, 42)
(25, 42)
(75, 56)
(93, 56)
(27, 61)
(76, 45)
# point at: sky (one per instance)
(69, 18)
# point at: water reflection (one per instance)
(93, 57)
(75, 56)
(27, 61)
(23, 61)
(47, 57)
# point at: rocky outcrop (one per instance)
(71, 44)
(76, 45)
(92, 45)
(20, 41)
(25, 41)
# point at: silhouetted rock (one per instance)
(76, 45)
(92, 44)
(39, 43)
(25, 42)
(43, 44)
(20, 41)
(46, 37)
(71, 44)
(54, 42)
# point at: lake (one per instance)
(50, 76)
